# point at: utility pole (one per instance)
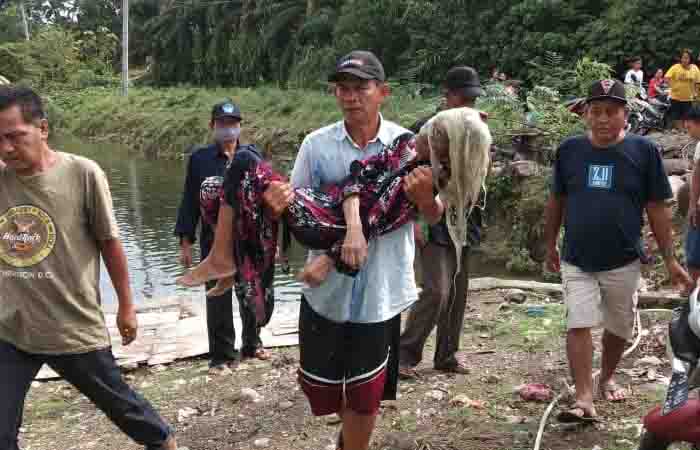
(125, 47)
(23, 12)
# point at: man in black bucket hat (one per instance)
(442, 303)
(603, 182)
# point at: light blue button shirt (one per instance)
(385, 286)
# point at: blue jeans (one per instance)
(692, 248)
(96, 375)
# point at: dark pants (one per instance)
(441, 303)
(220, 330)
(96, 375)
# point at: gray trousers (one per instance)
(441, 303)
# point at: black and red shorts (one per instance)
(351, 365)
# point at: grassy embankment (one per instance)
(161, 123)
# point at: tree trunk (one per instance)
(247, 14)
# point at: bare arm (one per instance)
(553, 217)
(659, 215)
(660, 222)
(354, 251)
(112, 252)
(694, 195)
(432, 212)
(554, 214)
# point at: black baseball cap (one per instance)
(360, 63)
(464, 79)
(607, 89)
(226, 109)
(693, 114)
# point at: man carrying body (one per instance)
(349, 327)
(205, 174)
(603, 182)
(444, 296)
(56, 220)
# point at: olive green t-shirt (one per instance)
(50, 227)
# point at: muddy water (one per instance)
(146, 197)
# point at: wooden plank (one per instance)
(175, 328)
(645, 299)
(489, 283)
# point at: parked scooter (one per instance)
(678, 419)
(647, 114)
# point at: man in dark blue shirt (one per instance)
(603, 182)
(205, 171)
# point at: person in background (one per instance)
(635, 75)
(205, 175)
(601, 263)
(683, 78)
(692, 245)
(444, 296)
(494, 75)
(57, 222)
(655, 83)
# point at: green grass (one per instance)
(164, 122)
(532, 334)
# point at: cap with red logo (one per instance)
(361, 64)
(607, 89)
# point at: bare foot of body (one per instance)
(202, 273)
(223, 285)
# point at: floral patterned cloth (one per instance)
(315, 217)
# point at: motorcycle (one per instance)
(678, 419)
(646, 114)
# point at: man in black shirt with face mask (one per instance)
(205, 174)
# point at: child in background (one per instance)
(692, 250)
(634, 74)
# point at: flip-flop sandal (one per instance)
(569, 415)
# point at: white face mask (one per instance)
(226, 134)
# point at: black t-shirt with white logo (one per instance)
(606, 192)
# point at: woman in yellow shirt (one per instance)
(683, 79)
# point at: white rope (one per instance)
(548, 411)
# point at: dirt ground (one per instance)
(503, 345)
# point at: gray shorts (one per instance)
(606, 298)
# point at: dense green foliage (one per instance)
(295, 42)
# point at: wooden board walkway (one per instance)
(175, 328)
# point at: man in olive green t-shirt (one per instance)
(56, 221)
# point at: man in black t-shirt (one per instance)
(444, 296)
(603, 182)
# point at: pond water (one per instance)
(146, 197)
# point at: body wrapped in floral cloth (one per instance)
(455, 143)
